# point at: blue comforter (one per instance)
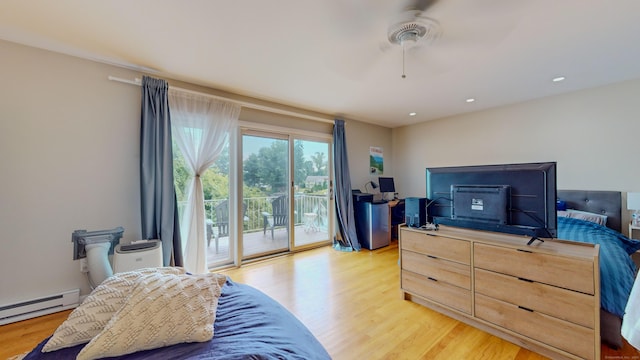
(617, 270)
(249, 325)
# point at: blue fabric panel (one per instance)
(617, 270)
(249, 325)
(344, 201)
(159, 209)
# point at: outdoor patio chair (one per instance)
(278, 216)
(222, 222)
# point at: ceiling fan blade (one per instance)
(466, 26)
(356, 18)
(356, 35)
(421, 5)
(436, 62)
(354, 61)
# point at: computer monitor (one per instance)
(386, 185)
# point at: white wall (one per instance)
(69, 158)
(592, 134)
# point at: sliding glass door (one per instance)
(218, 204)
(282, 203)
(312, 192)
(286, 191)
(266, 194)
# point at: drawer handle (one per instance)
(431, 256)
(432, 279)
(525, 251)
(527, 280)
(524, 308)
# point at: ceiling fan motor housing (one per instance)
(416, 29)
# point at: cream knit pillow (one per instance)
(162, 310)
(88, 319)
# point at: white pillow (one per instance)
(588, 216)
(162, 310)
(88, 319)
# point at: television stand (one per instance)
(545, 298)
(534, 238)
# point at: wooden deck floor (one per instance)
(256, 243)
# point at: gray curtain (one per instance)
(157, 193)
(346, 239)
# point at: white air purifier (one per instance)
(137, 255)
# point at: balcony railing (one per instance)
(256, 206)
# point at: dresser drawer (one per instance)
(570, 273)
(438, 246)
(442, 270)
(572, 338)
(558, 302)
(439, 291)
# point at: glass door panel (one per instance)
(312, 181)
(266, 194)
(217, 206)
(215, 186)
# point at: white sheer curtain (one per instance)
(201, 127)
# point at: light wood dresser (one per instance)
(544, 296)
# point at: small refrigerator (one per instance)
(372, 224)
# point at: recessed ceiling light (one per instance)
(413, 114)
(558, 79)
(470, 100)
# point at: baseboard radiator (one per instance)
(38, 307)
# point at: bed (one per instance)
(247, 325)
(617, 269)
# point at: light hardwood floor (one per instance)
(352, 303)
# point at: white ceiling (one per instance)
(332, 56)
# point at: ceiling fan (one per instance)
(437, 33)
(412, 28)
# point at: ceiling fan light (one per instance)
(409, 39)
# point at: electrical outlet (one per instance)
(84, 265)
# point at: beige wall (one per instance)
(592, 134)
(69, 145)
(360, 137)
(69, 156)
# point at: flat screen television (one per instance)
(511, 198)
(386, 185)
(485, 203)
